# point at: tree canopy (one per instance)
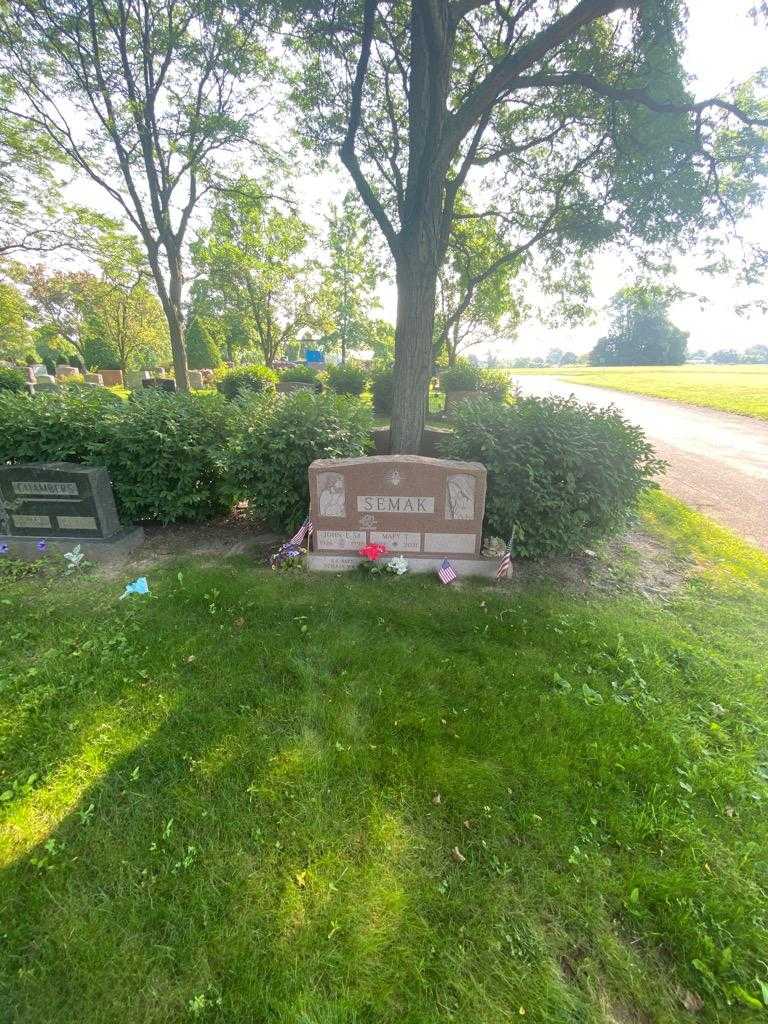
(142, 97)
(641, 332)
(574, 126)
(253, 256)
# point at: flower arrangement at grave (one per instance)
(397, 566)
(371, 555)
(288, 558)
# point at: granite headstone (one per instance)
(423, 508)
(63, 504)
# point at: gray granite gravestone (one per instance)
(63, 504)
(425, 509)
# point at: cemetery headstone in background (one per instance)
(160, 384)
(64, 504)
(425, 509)
(112, 378)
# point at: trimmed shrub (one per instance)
(383, 388)
(464, 376)
(247, 378)
(274, 439)
(163, 452)
(12, 379)
(564, 474)
(53, 426)
(299, 374)
(202, 351)
(495, 384)
(348, 379)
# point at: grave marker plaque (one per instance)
(426, 509)
(62, 502)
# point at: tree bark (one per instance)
(416, 292)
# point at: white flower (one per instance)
(397, 565)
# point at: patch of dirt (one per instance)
(633, 563)
(235, 534)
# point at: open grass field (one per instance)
(739, 389)
(237, 800)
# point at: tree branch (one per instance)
(347, 150)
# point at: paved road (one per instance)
(718, 461)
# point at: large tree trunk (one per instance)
(176, 323)
(416, 290)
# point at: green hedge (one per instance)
(564, 474)
(299, 374)
(383, 388)
(464, 376)
(163, 452)
(274, 439)
(246, 379)
(348, 379)
(12, 379)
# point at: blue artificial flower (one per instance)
(4, 549)
(41, 545)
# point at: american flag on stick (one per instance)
(305, 530)
(446, 572)
(505, 562)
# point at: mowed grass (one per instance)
(237, 800)
(739, 389)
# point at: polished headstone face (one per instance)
(52, 499)
(412, 504)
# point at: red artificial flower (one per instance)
(373, 551)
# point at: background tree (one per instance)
(575, 130)
(349, 282)
(474, 295)
(202, 350)
(141, 96)
(724, 356)
(15, 316)
(253, 257)
(756, 354)
(64, 303)
(641, 332)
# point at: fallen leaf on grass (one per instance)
(437, 799)
(301, 879)
(239, 622)
(457, 856)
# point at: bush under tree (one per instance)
(561, 473)
(275, 438)
(12, 379)
(202, 350)
(464, 376)
(383, 387)
(247, 379)
(347, 379)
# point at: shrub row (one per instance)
(188, 456)
(561, 474)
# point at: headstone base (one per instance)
(416, 563)
(95, 549)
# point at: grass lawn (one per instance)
(237, 800)
(740, 389)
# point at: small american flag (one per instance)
(446, 572)
(505, 562)
(305, 530)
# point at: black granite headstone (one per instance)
(61, 501)
(160, 384)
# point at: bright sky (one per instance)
(724, 46)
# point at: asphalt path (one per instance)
(718, 462)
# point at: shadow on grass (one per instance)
(254, 833)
